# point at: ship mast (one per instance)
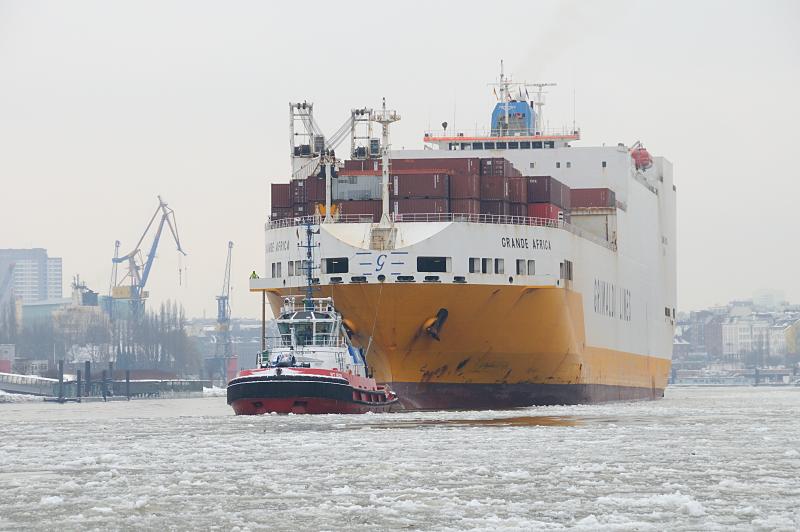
(538, 102)
(309, 245)
(385, 117)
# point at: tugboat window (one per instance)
(432, 264)
(337, 265)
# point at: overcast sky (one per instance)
(104, 105)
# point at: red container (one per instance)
(373, 208)
(518, 190)
(450, 165)
(298, 191)
(315, 189)
(546, 189)
(494, 188)
(465, 186)
(301, 209)
(424, 185)
(518, 209)
(279, 213)
(465, 206)
(280, 195)
(545, 210)
(498, 166)
(593, 197)
(362, 164)
(497, 208)
(420, 206)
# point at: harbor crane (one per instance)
(224, 311)
(217, 366)
(132, 285)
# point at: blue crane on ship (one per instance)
(139, 267)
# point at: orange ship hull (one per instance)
(500, 346)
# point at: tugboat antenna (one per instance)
(309, 245)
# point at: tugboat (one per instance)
(311, 367)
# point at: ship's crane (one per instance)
(133, 283)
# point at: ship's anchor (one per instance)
(433, 326)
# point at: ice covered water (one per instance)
(701, 459)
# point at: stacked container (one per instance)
(281, 201)
(498, 167)
(593, 197)
(373, 208)
(501, 189)
(548, 198)
(518, 196)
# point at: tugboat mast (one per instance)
(308, 304)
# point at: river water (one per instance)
(700, 459)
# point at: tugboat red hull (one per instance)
(306, 394)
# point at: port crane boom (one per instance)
(139, 267)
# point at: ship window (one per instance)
(477, 145)
(290, 269)
(324, 327)
(604, 164)
(474, 265)
(501, 145)
(513, 145)
(558, 165)
(549, 144)
(433, 264)
(537, 145)
(337, 265)
(569, 164)
(520, 266)
(486, 265)
(488, 145)
(533, 165)
(667, 312)
(304, 333)
(531, 267)
(525, 145)
(566, 270)
(466, 146)
(276, 270)
(499, 266)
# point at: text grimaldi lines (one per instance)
(612, 300)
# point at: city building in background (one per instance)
(744, 342)
(36, 277)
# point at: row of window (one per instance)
(568, 164)
(498, 266)
(521, 145)
(483, 265)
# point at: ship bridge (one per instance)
(515, 125)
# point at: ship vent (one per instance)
(382, 238)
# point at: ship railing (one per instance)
(314, 220)
(317, 340)
(447, 217)
(564, 131)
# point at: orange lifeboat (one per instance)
(642, 158)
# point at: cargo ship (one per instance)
(491, 269)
